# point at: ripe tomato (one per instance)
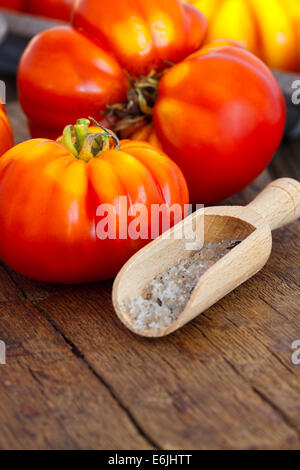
(58, 9)
(6, 134)
(268, 28)
(80, 82)
(220, 116)
(65, 74)
(50, 194)
(142, 34)
(218, 112)
(17, 5)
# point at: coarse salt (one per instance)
(165, 297)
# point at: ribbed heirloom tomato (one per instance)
(66, 72)
(268, 28)
(217, 111)
(6, 134)
(220, 115)
(142, 34)
(62, 76)
(54, 196)
(58, 9)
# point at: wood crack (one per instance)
(267, 400)
(278, 358)
(76, 351)
(278, 410)
(274, 309)
(258, 392)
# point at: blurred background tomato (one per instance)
(268, 28)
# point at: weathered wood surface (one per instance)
(76, 378)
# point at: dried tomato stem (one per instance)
(138, 109)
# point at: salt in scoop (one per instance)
(277, 205)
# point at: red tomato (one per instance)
(49, 195)
(80, 82)
(220, 115)
(148, 134)
(58, 9)
(6, 134)
(17, 5)
(142, 34)
(64, 74)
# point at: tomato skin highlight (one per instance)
(84, 80)
(6, 133)
(220, 115)
(49, 201)
(156, 31)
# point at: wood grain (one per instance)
(77, 378)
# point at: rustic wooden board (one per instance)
(76, 378)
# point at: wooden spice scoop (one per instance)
(276, 206)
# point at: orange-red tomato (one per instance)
(65, 74)
(220, 115)
(81, 80)
(6, 134)
(142, 34)
(49, 200)
(218, 112)
(58, 9)
(148, 134)
(17, 5)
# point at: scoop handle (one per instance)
(279, 202)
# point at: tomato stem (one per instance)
(85, 144)
(67, 140)
(138, 109)
(81, 130)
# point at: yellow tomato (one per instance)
(268, 28)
